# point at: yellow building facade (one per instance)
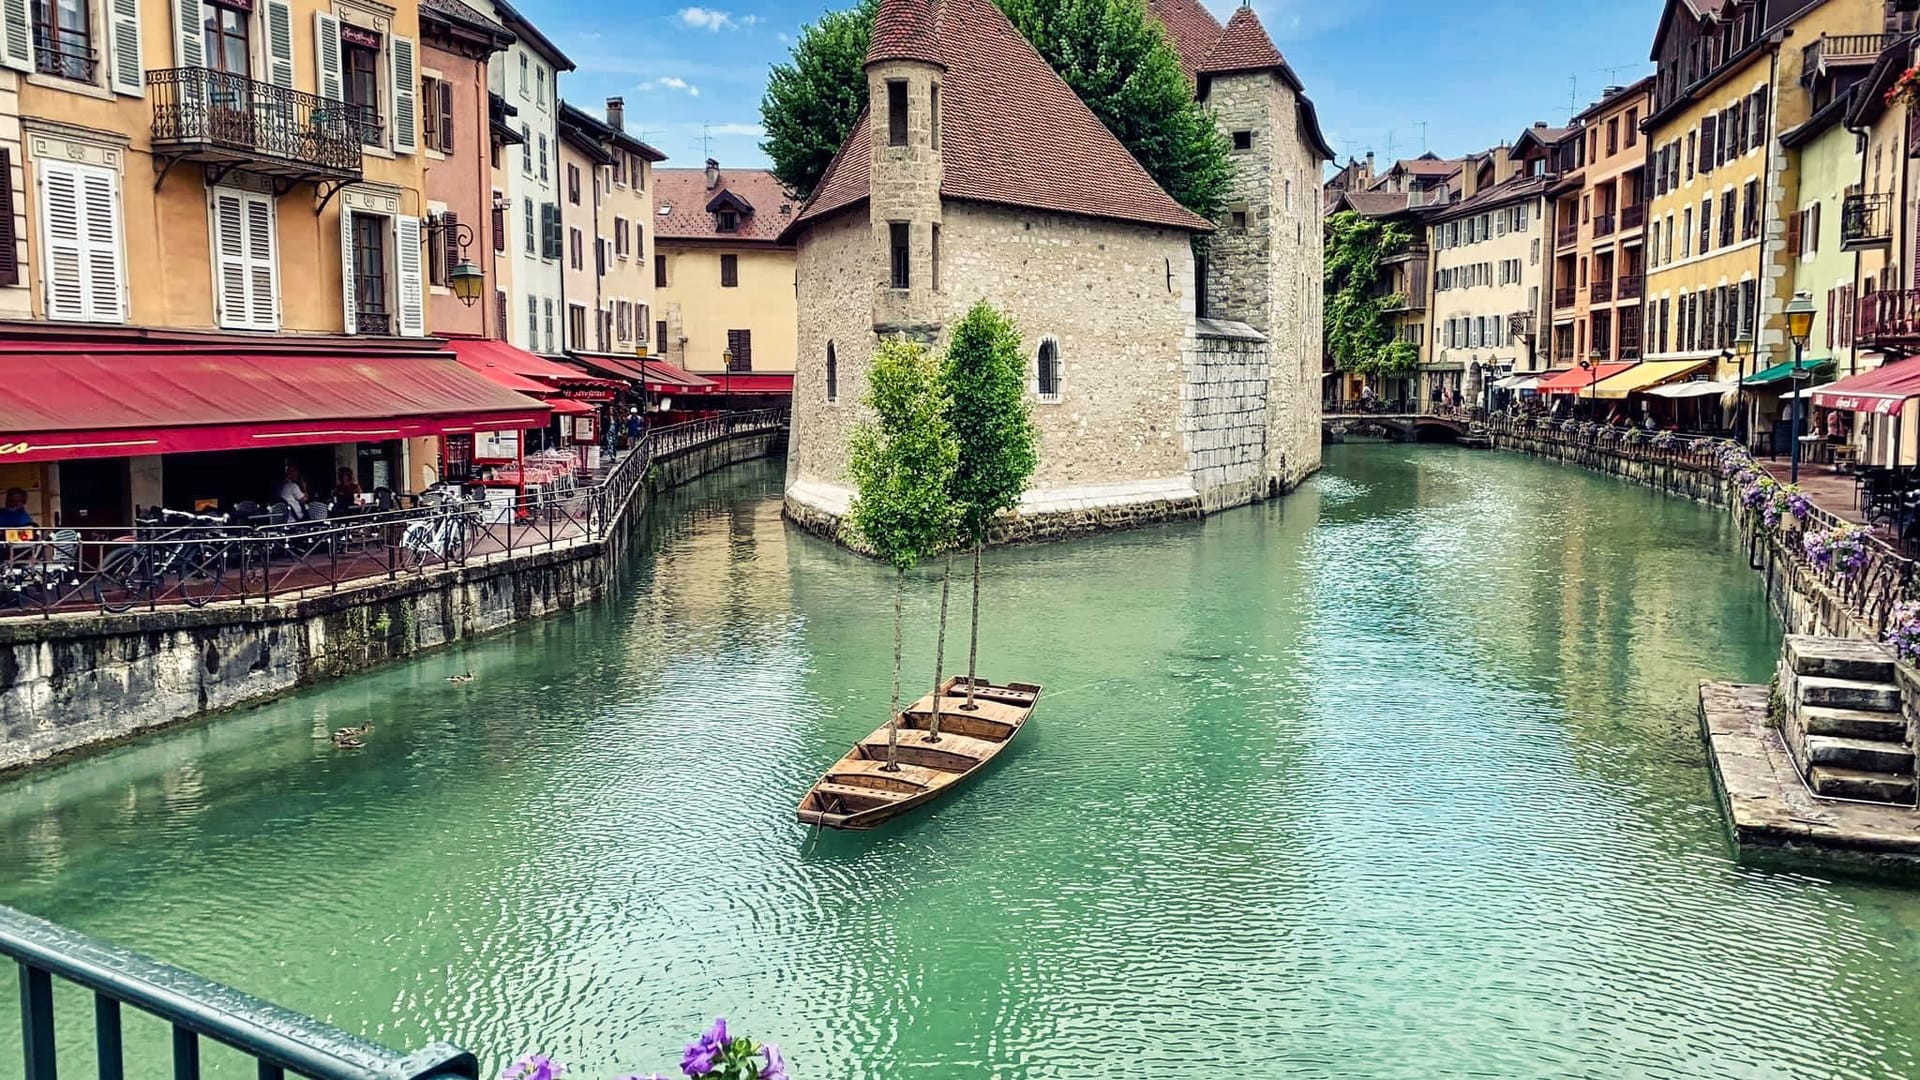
(723, 281)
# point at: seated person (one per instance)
(346, 491)
(14, 515)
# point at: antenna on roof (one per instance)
(706, 139)
(1573, 95)
(1423, 136)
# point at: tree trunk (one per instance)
(893, 725)
(973, 646)
(940, 648)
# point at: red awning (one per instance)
(570, 407)
(1884, 390)
(755, 382)
(618, 367)
(489, 356)
(671, 378)
(1574, 380)
(110, 401)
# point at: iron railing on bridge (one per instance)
(192, 560)
(279, 1041)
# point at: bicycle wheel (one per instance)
(122, 581)
(201, 566)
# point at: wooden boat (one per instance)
(859, 792)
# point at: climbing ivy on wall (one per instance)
(1359, 330)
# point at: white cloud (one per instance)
(706, 18)
(671, 82)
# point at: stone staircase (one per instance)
(1845, 724)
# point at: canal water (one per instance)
(1397, 777)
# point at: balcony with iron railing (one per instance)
(1629, 286)
(1563, 298)
(1866, 221)
(1890, 317)
(1567, 235)
(1602, 289)
(1838, 50)
(1633, 217)
(229, 120)
(65, 54)
(1602, 225)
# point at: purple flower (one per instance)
(534, 1067)
(717, 1034)
(776, 1067)
(699, 1058)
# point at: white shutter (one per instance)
(346, 271)
(406, 89)
(65, 282)
(243, 233)
(128, 77)
(280, 43)
(189, 30)
(326, 48)
(80, 221)
(406, 260)
(16, 42)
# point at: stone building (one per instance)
(1164, 385)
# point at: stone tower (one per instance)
(904, 73)
(1264, 263)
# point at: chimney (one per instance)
(617, 113)
(713, 174)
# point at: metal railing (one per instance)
(1602, 225)
(279, 1041)
(1866, 220)
(1888, 314)
(190, 560)
(206, 111)
(1629, 286)
(1563, 298)
(65, 59)
(1869, 592)
(1567, 235)
(1601, 290)
(1634, 216)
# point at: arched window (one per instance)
(833, 374)
(1046, 381)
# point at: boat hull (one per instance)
(861, 791)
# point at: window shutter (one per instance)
(9, 243)
(500, 314)
(230, 254)
(65, 251)
(189, 24)
(123, 20)
(326, 49)
(102, 278)
(451, 237)
(412, 291)
(499, 228)
(1709, 129)
(446, 117)
(406, 91)
(280, 43)
(1796, 230)
(16, 43)
(1813, 228)
(351, 318)
(1757, 133)
(262, 264)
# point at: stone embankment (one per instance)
(75, 681)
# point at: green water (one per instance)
(1395, 778)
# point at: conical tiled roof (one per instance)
(1192, 29)
(1012, 132)
(903, 30)
(1244, 46)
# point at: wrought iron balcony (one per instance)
(234, 122)
(1866, 221)
(1633, 217)
(66, 59)
(1629, 287)
(1602, 290)
(1890, 317)
(1602, 225)
(1567, 235)
(1563, 298)
(372, 321)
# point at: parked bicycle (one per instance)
(174, 553)
(42, 567)
(443, 534)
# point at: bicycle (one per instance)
(443, 534)
(194, 552)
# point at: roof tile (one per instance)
(681, 196)
(903, 30)
(1192, 28)
(1012, 132)
(1244, 46)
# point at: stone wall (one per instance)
(79, 681)
(1223, 413)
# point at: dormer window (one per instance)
(726, 221)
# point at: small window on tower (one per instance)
(1243, 140)
(897, 233)
(1239, 221)
(896, 112)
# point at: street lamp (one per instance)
(726, 378)
(1591, 365)
(463, 277)
(1799, 315)
(1742, 349)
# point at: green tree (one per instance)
(1113, 53)
(902, 463)
(813, 100)
(986, 377)
(1359, 331)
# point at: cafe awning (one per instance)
(490, 357)
(1577, 380)
(1884, 390)
(1517, 382)
(1779, 373)
(1641, 377)
(1693, 388)
(94, 401)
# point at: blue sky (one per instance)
(1378, 69)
